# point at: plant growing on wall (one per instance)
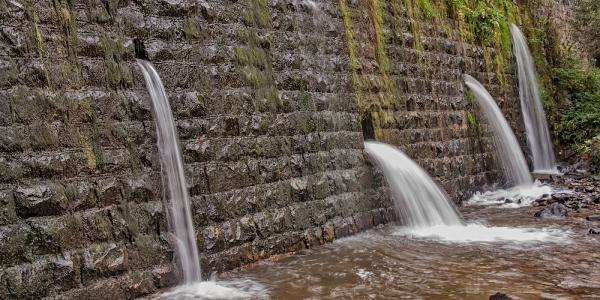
(587, 20)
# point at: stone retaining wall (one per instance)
(265, 100)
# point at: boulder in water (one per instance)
(500, 296)
(594, 218)
(594, 231)
(553, 211)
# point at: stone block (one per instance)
(15, 241)
(8, 214)
(109, 191)
(103, 260)
(43, 277)
(41, 200)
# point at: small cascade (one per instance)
(176, 196)
(418, 200)
(510, 154)
(426, 211)
(534, 117)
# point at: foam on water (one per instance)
(481, 233)
(213, 290)
(518, 196)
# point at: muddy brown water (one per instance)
(380, 265)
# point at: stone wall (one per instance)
(268, 109)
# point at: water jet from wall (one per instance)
(534, 117)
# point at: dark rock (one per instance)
(508, 201)
(562, 197)
(594, 218)
(594, 231)
(500, 296)
(553, 211)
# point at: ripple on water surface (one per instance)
(513, 253)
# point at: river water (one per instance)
(384, 264)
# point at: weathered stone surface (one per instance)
(41, 200)
(8, 214)
(104, 260)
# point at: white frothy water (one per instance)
(534, 117)
(217, 290)
(514, 197)
(419, 202)
(480, 233)
(175, 191)
(428, 213)
(510, 154)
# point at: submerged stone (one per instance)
(594, 218)
(500, 296)
(553, 211)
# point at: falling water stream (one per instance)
(419, 202)
(538, 134)
(523, 189)
(178, 207)
(176, 197)
(510, 154)
(424, 208)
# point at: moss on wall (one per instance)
(374, 94)
(117, 72)
(70, 68)
(351, 46)
(38, 39)
(254, 59)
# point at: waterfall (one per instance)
(418, 200)
(175, 192)
(538, 134)
(508, 150)
(425, 209)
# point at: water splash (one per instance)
(534, 117)
(175, 195)
(427, 212)
(419, 202)
(514, 197)
(211, 290)
(510, 154)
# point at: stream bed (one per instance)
(383, 264)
